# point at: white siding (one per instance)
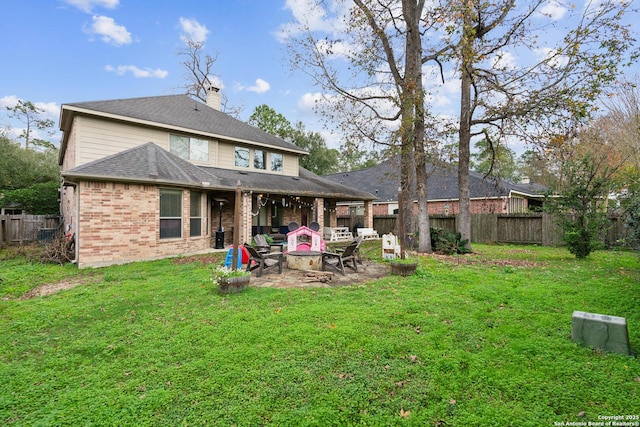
(100, 138)
(97, 138)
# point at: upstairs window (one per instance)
(242, 157)
(259, 159)
(276, 162)
(189, 148)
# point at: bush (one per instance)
(39, 199)
(448, 243)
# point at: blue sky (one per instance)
(63, 51)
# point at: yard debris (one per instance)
(317, 276)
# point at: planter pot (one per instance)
(403, 269)
(231, 285)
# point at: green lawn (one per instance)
(479, 340)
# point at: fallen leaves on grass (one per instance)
(403, 413)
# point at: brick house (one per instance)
(147, 178)
(488, 195)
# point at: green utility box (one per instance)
(608, 333)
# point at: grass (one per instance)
(483, 339)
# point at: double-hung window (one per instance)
(259, 159)
(170, 214)
(189, 148)
(242, 157)
(195, 221)
(276, 162)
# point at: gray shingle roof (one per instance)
(383, 181)
(181, 111)
(149, 163)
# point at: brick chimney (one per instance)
(213, 97)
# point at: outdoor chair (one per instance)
(338, 261)
(358, 240)
(262, 245)
(263, 261)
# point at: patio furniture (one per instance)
(263, 261)
(338, 261)
(262, 245)
(368, 233)
(337, 234)
(358, 240)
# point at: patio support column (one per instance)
(368, 214)
(247, 219)
(333, 215)
(319, 211)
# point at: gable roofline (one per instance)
(174, 113)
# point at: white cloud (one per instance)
(334, 50)
(216, 81)
(553, 58)
(121, 70)
(554, 10)
(193, 30)
(50, 109)
(310, 15)
(14, 127)
(504, 61)
(88, 5)
(109, 31)
(261, 86)
(308, 101)
(8, 101)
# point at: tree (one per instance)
(496, 160)
(536, 98)
(37, 199)
(589, 174)
(30, 115)
(376, 92)
(23, 167)
(199, 75)
(267, 119)
(623, 106)
(320, 159)
(352, 158)
(539, 167)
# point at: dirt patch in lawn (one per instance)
(52, 288)
(478, 259)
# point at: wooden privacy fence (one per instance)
(21, 229)
(538, 228)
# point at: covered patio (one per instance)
(269, 203)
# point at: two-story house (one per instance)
(146, 178)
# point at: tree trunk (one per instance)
(413, 76)
(464, 215)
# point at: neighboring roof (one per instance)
(177, 112)
(383, 181)
(150, 163)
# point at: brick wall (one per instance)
(119, 223)
(443, 207)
